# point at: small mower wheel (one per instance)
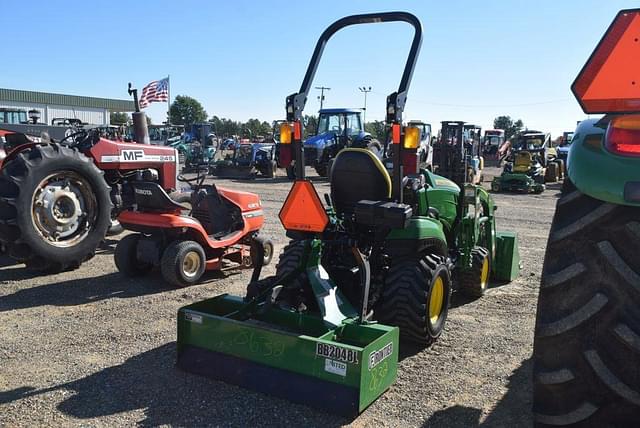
(126, 258)
(416, 298)
(183, 263)
(586, 350)
(475, 280)
(267, 245)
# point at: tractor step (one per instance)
(288, 354)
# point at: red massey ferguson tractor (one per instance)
(58, 199)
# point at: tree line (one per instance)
(186, 110)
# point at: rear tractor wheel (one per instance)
(586, 349)
(55, 207)
(416, 298)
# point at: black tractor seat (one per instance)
(150, 196)
(356, 175)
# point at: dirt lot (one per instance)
(93, 348)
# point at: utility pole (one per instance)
(321, 96)
(365, 89)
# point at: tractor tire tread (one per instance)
(587, 338)
(470, 278)
(22, 174)
(404, 298)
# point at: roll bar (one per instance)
(395, 101)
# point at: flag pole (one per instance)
(168, 98)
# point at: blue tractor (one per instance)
(337, 128)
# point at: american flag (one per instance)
(156, 91)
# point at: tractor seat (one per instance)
(522, 162)
(356, 175)
(151, 196)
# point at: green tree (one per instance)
(508, 125)
(311, 125)
(377, 129)
(118, 118)
(186, 111)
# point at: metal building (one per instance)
(88, 109)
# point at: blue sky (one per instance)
(479, 59)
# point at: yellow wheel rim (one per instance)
(484, 274)
(436, 300)
(191, 264)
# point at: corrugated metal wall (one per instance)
(93, 116)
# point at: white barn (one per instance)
(88, 109)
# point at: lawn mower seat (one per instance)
(522, 162)
(356, 175)
(217, 216)
(151, 196)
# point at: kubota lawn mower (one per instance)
(221, 224)
(384, 249)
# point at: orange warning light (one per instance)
(303, 210)
(609, 82)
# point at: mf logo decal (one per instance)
(136, 155)
(132, 155)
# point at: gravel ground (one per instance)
(93, 348)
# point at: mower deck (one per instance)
(516, 182)
(288, 354)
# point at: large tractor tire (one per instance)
(297, 289)
(587, 339)
(55, 207)
(416, 298)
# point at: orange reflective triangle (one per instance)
(303, 210)
(610, 80)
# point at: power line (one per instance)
(321, 96)
(440, 104)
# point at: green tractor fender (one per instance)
(421, 229)
(599, 173)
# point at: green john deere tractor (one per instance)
(529, 163)
(587, 337)
(376, 263)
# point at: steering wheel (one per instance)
(76, 138)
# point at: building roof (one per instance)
(340, 110)
(19, 96)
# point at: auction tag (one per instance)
(335, 367)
